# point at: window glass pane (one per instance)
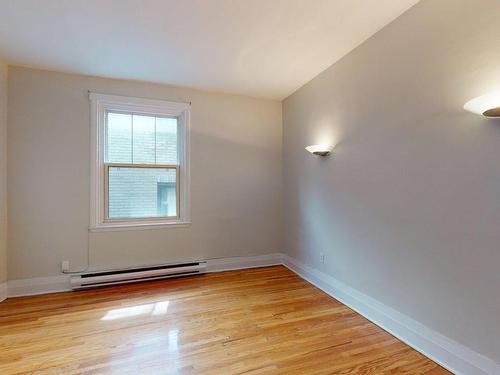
(144, 139)
(119, 138)
(166, 202)
(141, 192)
(166, 140)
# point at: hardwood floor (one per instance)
(258, 321)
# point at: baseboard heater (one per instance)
(132, 275)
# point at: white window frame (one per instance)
(100, 104)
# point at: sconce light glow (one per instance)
(487, 105)
(321, 150)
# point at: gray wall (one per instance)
(407, 210)
(236, 177)
(3, 172)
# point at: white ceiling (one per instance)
(265, 48)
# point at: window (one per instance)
(140, 163)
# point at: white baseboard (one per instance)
(3, 291)
(450, 354)
(239, 263)
(53, 284)
(38, 285)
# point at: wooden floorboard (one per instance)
(256, 321)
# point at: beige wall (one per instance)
(235, 177)
(407, 210)
(3, 172)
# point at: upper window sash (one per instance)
(125, 126)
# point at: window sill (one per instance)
(139, 226)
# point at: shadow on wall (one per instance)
(235, 205)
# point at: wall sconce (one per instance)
(321, 150)
(487, 105)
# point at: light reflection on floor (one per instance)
(154, 309)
